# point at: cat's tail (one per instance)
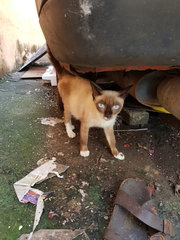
(55, 63)
(59, 72)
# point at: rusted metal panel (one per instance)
(81, 69)
(112, 35)
(168, 94)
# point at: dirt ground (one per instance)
(84, 197)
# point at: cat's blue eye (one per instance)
(101, 105)
(115, 107)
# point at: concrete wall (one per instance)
(20, 33)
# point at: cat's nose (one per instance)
(107, 117)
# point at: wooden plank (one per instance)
(41, 52)
(34, 72)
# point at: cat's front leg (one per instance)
(84, 131)
(69, 130)
(68, 124)
(109, 132)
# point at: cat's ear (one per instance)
(96, 90)
(123, 93)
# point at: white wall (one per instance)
(20, 32)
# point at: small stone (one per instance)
(60, 154)
(156, 172)
(157, 186)
(66, 215)
(103, 160)
(74, 175)
(82, 192)
(84, 184)
(74, 206)
(64, 222)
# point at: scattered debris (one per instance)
(51, 121)
(60, 154)
(20, 227)
(150, 170)
(157, 186)
(37, 89)
(132, 130)
(49, 136)
(82, 192)
(141, 146)
(177, 190)
(52, 214)
(150, 189)
(151, 151)
(42, 160)
(126, 145)
(84, 184)
(175, 184)
(26, 193)
(74, 206)
(98, 160)
(66, 215)
(28, 92)
(3, 90)
(103, 160)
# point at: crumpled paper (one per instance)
(26, 193)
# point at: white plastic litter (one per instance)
(50, 74)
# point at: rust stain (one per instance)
(120, 68)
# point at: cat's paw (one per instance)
(71, 134)
(120, 156)
(69, 130)
(84, 153)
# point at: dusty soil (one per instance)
(84, 197)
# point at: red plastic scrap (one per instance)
(150, 190)
(51, 214)
(126, 145)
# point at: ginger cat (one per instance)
(92, 106)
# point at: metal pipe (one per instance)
(168, 94)
(159, 90)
